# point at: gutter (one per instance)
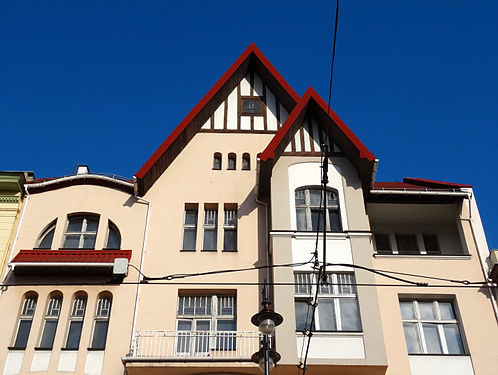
(81, 177)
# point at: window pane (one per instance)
(113, 239)
(72, 242)
(75, 224)
(74, 335)
(91, 224)
(301, 219)
(48, 336)
(303, 315)
(316, 220)
(217, 162)
(251, 106)
(350, 314)
(427, 310)
(332, 199)
(446, 310)
(184, 325)
(100, 334)
(407, 310)
(231, 163)
(89, 241)
(201, 338)
(432, 340)
(335, 221)
(431, 244)
(407, 243)
(299, 197)
(23, 333)
(226, 340)
(46, 242)
(202, 305)
(453, 339)
(412, 339)
(315, 197)
(246, 163)
(183, 340)
(209, 239)
(230, 240)
(326, 314)
(382, 243)
(189, 238)
(191, 217)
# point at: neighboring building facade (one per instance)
(237, 187)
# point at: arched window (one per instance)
(81, 232)
(51, 321)
(217, 161)
(113, 237)
(101, 323)
(309, 213)
(76, 321)
(232, 161)
(246, 162)
(25, 320)
(47, 236)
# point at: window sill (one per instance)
(16, 347)
(209, 251)
(75, 248)
(333, 333)
(187, 251)
(230, 251)
(39, 348)
(438, 355)
(424, 256)
(70, 349)
(95, 349)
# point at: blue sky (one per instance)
(104, 82)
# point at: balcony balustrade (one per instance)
(194, 345)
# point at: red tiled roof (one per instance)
(70, 256)
(418, 184)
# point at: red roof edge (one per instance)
(310, 93)
(252, 49)
(433, 183)
(70, 256)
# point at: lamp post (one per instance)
(266, 320)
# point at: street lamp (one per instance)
(266, 320)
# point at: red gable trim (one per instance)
(70, 256)
(418, 184)
(269, 152)
(433, 183)
(252, 49)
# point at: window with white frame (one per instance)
(206, 323)
(113, 237)
(337, 308)
(25, 321)
(431, 327)
(210, 241)
(46, 238)
(309, 210)
(101, 323)
(51, 322)
(190, 227)
(81, 232)
(230, 229)
(410, 244)
(76, 323)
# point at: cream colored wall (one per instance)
(191, 179)
(9, 215)
(281, 244)
(129, 216)
(473, 304)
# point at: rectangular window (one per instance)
(25, 321)
(51, 322)
(431, 327)
(407, 244)
(190, 227)
(382, 244)
(251, 106)
(76, 323)
(210, 242)
(230, 230)
(101, 324)
(205, 323)
(337, 308)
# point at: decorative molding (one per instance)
(9, 199)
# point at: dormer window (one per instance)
(81, 232)
(252, 106)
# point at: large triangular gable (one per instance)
(313, 118)
(251, 65)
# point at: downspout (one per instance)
(479, 248)
(25, 204)
(139, 285)
(265, 205)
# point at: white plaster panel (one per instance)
(13, 362)
(335, 346)
(245, 122)
(232, 110)
(67, 360)
(338, 251)
(441, 365)
(308, 174)
(41, 360)
(271, 110)
(316, 136)
(94, 362)
(297, 141)
(259, 123)
(258, 86)
(245, 87)
(283, 114)
(288, 148)
(307, 144)
(219, 116)
(207, 124)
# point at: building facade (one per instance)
(162, 274)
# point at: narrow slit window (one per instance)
(210, 229)
(190, 228)
(25, 322)
(113, 237)
(232, 161)
(230, 230)
(217, 161)
(51, 323)
(76, 323)
(101, 323)
(246, 162)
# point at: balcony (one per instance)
(194, 345)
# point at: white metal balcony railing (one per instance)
(208, 345)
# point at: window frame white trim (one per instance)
(83, 231)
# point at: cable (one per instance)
(333, 54)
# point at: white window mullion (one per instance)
(337, 310)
